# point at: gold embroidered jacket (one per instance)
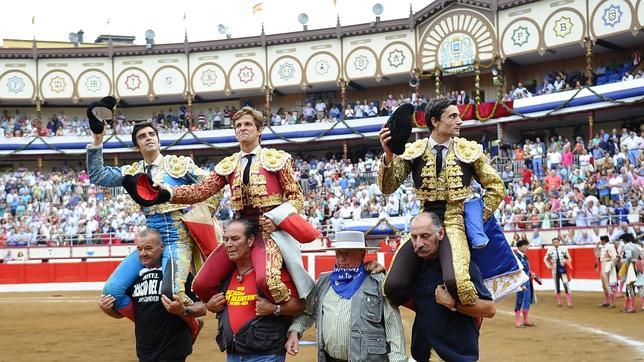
(452, 184)
(174, 171)
(272, 182)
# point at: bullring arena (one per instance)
(70, 323)
(552, 91)
(67, 326)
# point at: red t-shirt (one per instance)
(241, 298)
(553, 182)
(527, 175)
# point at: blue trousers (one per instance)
(177, 250)
(633, 155)
(523, 299)
(538, 166)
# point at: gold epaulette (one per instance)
(273, 160)
(131, 169)
(226, 166)
(467, 151)
(177, 166)
(414, 149)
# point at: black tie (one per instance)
(557, 256)
(148, 170)
(246, 175)
(439, 158)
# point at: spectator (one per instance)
(334, 113)
(586, 237)
(553, 181)
(217, 119)
(521, 92)
(228, 114)
(547, 87)
(358, 110)
(320, 110)
(633, 144)
(560, 82)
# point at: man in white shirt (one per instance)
(359, 110)
(627, 76)
(547, 87)
(560, 83)
(621, 230)
(615, 183)
(585, 237)
(608, 258)
(557, 258)
(521, 92)
(537, 160)
(632, 143)
(320, 108)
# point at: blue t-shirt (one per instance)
(453, 335)
(606, 190)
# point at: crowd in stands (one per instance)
(331, 110)
(559, 81)
(62, 208)
(565, 182)
(573, 183)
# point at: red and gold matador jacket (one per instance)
(272, 182)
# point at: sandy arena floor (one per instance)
(69, 326)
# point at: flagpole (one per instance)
(185, 25)
(33, 27)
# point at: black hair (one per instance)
(249, 227)
(604, 238)
(627, 238)
(139, 126)
(435, 109)
(522, 242)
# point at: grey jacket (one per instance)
(376, 329)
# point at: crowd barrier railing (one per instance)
(98, 270)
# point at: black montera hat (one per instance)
(399, 124)
(627, 238)
(140, 187)
(101, 112)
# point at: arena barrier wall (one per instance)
(98, 270)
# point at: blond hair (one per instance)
(258, 117)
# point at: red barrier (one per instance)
(56, 272)
(583, 261)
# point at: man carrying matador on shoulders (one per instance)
(266, 192)
(443, 167)
(181, 251)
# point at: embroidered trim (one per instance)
(226, 166)
(414, 149)
(162, 208)
(503, 285)
(131, 169)
(177, 167)
(467, 151)
(273, 160)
